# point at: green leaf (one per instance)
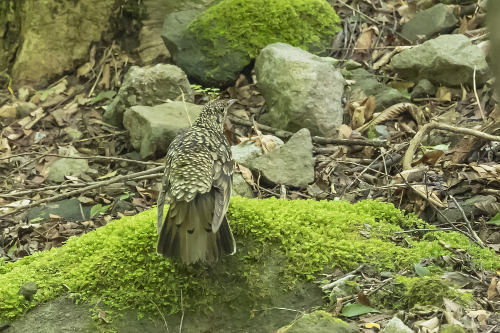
(421, 270)
(126, 196)
(495, 220)
(98, 209)
(95, 209)
(353, 310)
(103, 95)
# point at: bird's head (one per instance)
(214, 113)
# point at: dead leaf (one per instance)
(8, 111)
(443, 95)
(492, 288)
(84, 69)
(247, 174)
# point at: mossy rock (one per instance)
(214, 46)
(282, 246)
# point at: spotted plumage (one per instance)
(197, 184)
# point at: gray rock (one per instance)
(149, 87)
(424, 88)
(343, 289)
(28, 290)
(395, 325)
(301, 90)
(67, 166)
(152, 129)
(152, 50)
(23, 109)
(468, 206)
(291, 164)
(447, 60)
(244, 152)
(367, 83)
(70, 210)
(319, 322)
(241, 187)
(189, 53)
(428, 23)
(215, 45)
(36, 61)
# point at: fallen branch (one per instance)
(468, 224)
(417, 139)
(316, 139)
(84, 189)
(14, 194)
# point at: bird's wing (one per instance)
(222, 176)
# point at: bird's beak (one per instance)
(230, 102)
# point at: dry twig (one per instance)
(417, 139)
(84, 189)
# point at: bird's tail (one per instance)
(187, 233)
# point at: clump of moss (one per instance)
(118, 264)
(406, 292)
(249, 26)
(430, 290)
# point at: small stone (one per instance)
(291, 164)
(395, 325)
(424, 88)
(241, 187)
(28, 290)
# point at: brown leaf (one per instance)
(247, 174)
(363, 299)
(492, 288)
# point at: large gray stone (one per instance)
(291, 164)
(395, 325)
(300, 89)
(148, 86)
(428, 23)
(447, 60)
(152, 129)
(319, 322)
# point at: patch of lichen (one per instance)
(248, 26)
(280, 242)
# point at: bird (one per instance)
(197, 184)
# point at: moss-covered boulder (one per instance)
(282, 247)
(214, 46)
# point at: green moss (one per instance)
(430, 290)
(249, 26)
(279, 243)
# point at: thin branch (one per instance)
(103, 158)
(417, 230)
(417, 139)
(15, 194)
(182, 316)
(84, 189)
(316, 139)
(469, 227)
(477, 96)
